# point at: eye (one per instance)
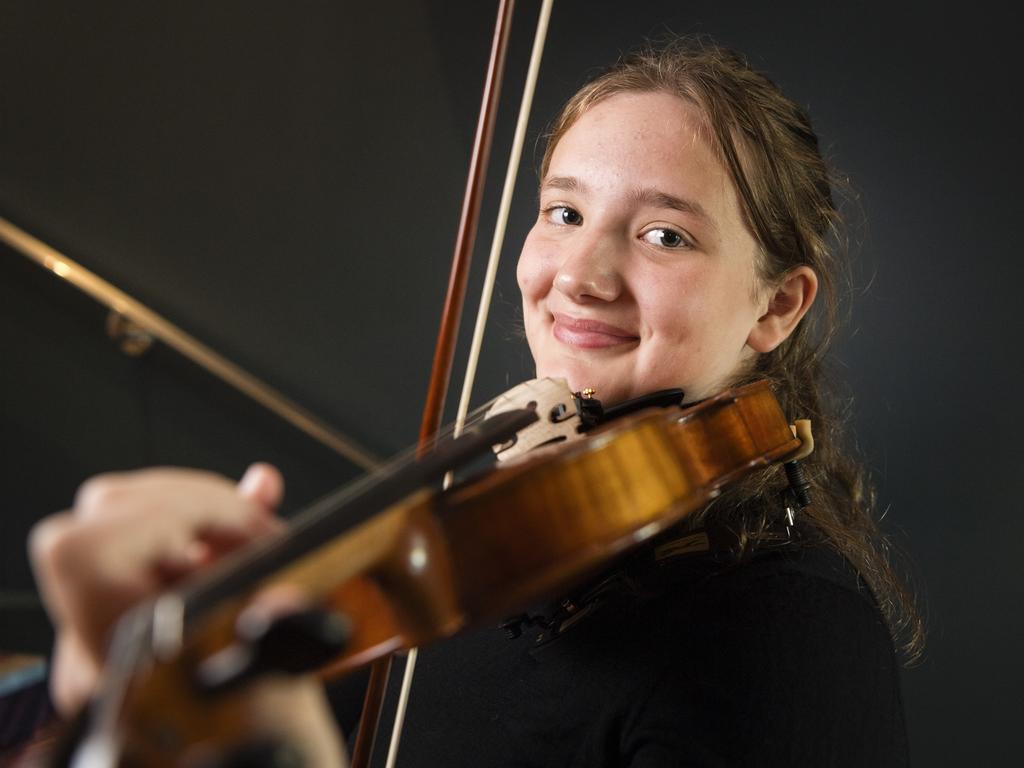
(666, 238)
(563, 214)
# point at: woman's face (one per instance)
(639, 272)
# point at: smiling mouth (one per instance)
(589, 334)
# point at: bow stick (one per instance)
(511, 172)
(444, 350)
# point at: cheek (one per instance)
(672, 305)
(533, 273)
(696, 311)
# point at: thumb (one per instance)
(263, 484)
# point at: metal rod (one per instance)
(160, 328)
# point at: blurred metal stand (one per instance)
(134, 326)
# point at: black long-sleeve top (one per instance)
(781, 660)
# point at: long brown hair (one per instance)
(768, 147)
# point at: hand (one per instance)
(130, 535)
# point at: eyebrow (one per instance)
(650, 196)
(565, 183)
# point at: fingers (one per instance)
(75, 673)
(128, 536)
(263, 484)
(198, 499)
(297, 712)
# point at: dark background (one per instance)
(284, 182)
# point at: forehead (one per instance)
(648, 138)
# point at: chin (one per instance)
(574, 377)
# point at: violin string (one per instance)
(243, 568)
(393, 466)
(515, 155)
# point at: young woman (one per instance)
(685, 233)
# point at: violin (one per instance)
(429, 563)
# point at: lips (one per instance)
(589, 334)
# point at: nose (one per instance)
(590, 272)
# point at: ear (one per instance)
(787, 304)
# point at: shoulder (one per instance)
(785, 658)
(805, 597)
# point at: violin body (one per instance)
(535, 529)
(439, 562)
